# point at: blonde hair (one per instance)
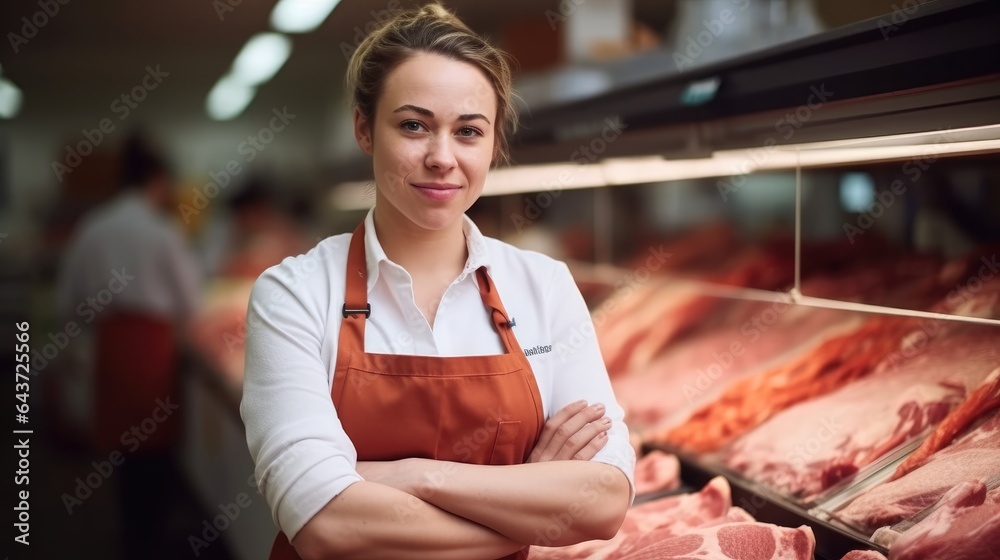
(431, 29)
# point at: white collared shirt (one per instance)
(302, 455)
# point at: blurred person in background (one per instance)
(129, 280)
(258, 233)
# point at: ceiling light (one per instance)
(228, 98)
(262, 57)
(300, 16)
(10, 99)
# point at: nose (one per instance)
(440, 154)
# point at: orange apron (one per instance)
(483, 410)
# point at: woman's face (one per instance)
(431, 140)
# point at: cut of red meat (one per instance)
(640, 541)
(964, 527)
(863, 555)
(696, 370)
(881, 343)
(670, 517)
(984, 399)
(974, 456)
(657, 472)
(807, 449)
(748, 402)
(734, 541)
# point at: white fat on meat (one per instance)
(966, 526)
(808, 448)
(734, 541)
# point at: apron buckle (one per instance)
(367, 311)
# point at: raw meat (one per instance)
(809, 448)
(824, 351)
(984, 399)
(642, 318)
(863, 555)
(734, 541)
(975, 456)
(637, 542)
(673, 516)
(748, 402)
(964, 527)
(657, 472)
(697, 369)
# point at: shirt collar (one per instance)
(375, 255)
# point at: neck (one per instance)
(419, 250)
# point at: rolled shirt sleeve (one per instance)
(302, 455)
(579, 370)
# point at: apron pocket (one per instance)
(505, 450)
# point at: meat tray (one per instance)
(833, 540)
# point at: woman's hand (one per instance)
(576, 432)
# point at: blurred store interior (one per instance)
(647, 122)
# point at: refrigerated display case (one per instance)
(833, 205)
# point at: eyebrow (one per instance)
(430, 114)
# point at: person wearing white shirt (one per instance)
(415, 389)
(129, 284)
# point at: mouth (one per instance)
(437, 186)
(438, 191)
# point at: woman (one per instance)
(390, 409)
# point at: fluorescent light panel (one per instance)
(301, 16)
(654, 169)
(10, 99)
(261, 58)
(228, 98)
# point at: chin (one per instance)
(437, 219)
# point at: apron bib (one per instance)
(483, 410)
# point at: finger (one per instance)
(591, 450)
(582, 438)
(567, 432)
(558, 419)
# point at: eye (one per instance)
(469, 132)
(411, 126)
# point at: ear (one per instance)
(362, 131)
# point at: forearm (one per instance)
(554, 503)
(370, 520)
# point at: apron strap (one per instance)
(356, 308)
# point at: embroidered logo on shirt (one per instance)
(540, 349)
